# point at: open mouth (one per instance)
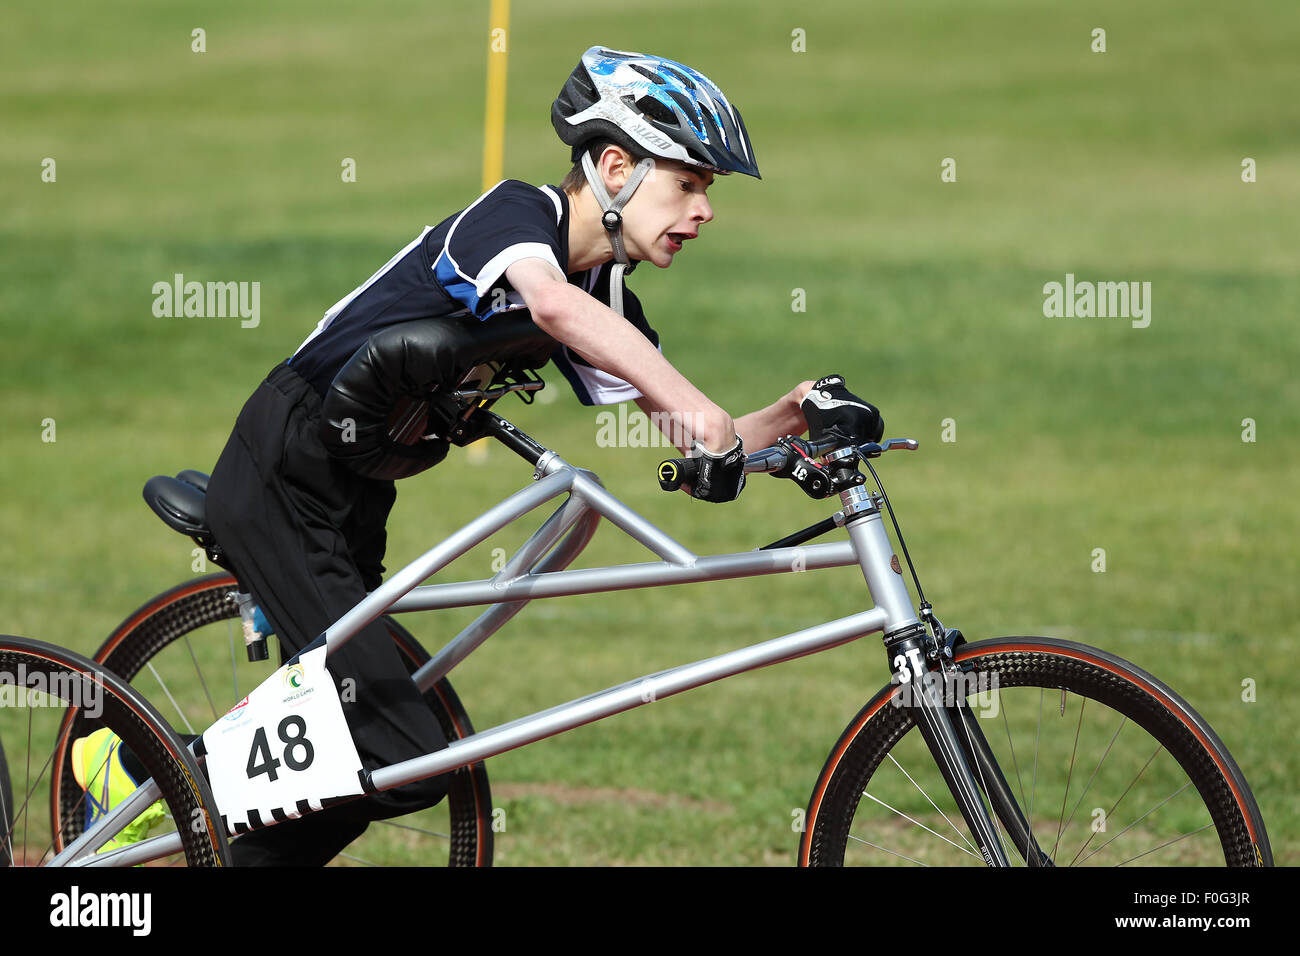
(676, 239)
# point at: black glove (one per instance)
(719, 477)
(832, 411)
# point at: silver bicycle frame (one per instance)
(526, 576)
(536, 570)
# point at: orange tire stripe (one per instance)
(1000, 647)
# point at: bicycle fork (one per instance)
(945, 722)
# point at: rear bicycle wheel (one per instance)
(1108, 766)
(43, 688)
(185, 650)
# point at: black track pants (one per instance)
(306, 537)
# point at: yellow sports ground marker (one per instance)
(494, 127)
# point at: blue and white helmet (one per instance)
(653, 106)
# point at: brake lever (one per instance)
(875, 449)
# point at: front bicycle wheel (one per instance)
(1108, 766)
(6, 810)
(41, 688)
(185, 650)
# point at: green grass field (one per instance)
(1072, 434)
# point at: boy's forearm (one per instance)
(783, 417)
(606, 340)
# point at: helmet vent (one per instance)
(648, 73)
(683, 101)
(652, 108)
(680, 77)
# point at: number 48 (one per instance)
(262, 750)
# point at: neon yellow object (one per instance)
(97, 767)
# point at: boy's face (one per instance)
(666, 210)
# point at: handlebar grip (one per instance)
(675, 472)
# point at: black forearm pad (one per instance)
(376, 410)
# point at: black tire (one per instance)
(181, 627)
(69, 686)
(1164, 790)
(6, 811)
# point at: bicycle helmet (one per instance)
(649, 104)
(651, 107)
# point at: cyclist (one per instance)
(300, 496)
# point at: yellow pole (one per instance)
(494, 126)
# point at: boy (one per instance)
(300, 512)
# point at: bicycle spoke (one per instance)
(1138, 820)
(1088, 786)
(407, 826)
(357, 859)
(79, 808)
(1111, 811)
(6, 835)
(1011, 744)
(6, 838)
(32, 788)
(234, 667)
(919, 824)
(166, 690)
(921, 791)
(12, 812)
(199, 672)
(192, 636)
(1060, 820)
(886, 850)
(1141, 792)
(1033, 786)
(1167, 843)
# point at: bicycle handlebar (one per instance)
(675, 472)
(817, 480)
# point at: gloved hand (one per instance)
(719, 476)
(832, 411)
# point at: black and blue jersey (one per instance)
(458, 268)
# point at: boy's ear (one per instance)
(616, 165)
(611, 166)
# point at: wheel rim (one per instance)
(185, 652)
(1097, 787)
(72, 686)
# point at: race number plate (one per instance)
(283, 749)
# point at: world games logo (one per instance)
(295, 683)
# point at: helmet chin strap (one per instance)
(612, 219)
